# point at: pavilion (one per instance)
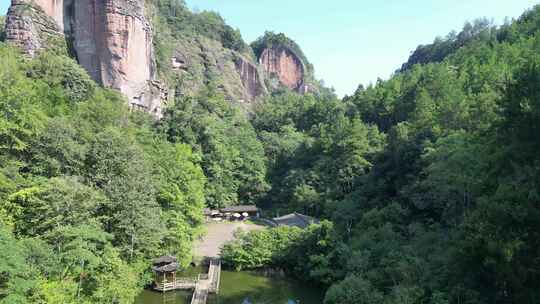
(165, 269)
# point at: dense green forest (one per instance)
(88, 190)
(427, 183)
(429, 180)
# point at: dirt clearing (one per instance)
(218, 234)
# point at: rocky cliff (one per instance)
(251, 78)
(114, 41)
(111, 39)
(287, 67)
(33, 25)
(198, 61)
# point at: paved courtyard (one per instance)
(218, 234)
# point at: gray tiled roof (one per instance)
(166, 268)
(295, 219)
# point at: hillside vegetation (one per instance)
(208, 50)
(430, 179)
(426, 183)
(88, 190)
(2, 25)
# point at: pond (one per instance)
(244, 288)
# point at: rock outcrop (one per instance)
(111, 39)
(113, 42)
(285, 65)
(31, 28)
(54, 9)
(199, 61)
(251, 78)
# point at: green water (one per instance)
(244, 288)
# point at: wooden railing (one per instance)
(199, 295)
(204, 284)
(183, 283)
(215, 275)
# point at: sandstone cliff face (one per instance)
(113, 42)
(53, 8)
(111, 38)
(30, 28)
(285, 65)
(200, 61)
(251, 78)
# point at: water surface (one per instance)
(244, 288)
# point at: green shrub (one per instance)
(258, 249)
(207, 23)
(63, 72)
(2, 28)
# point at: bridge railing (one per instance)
(186, 281)
(215, 266)
(204, 284)
(199, 295)
(182, 283)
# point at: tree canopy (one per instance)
(430, 177)
(89, 191)
(426, 184)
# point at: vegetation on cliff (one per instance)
(2, 28)
(271, 39)
(207, 23)
(196, 50)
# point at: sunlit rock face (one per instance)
(30, 28)
(285, 65)
(53, 8)
(113, 42)
(251, 79)
(111, 39)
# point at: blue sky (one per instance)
(4, 4)
(355, 41)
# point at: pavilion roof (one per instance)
(172, 267)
